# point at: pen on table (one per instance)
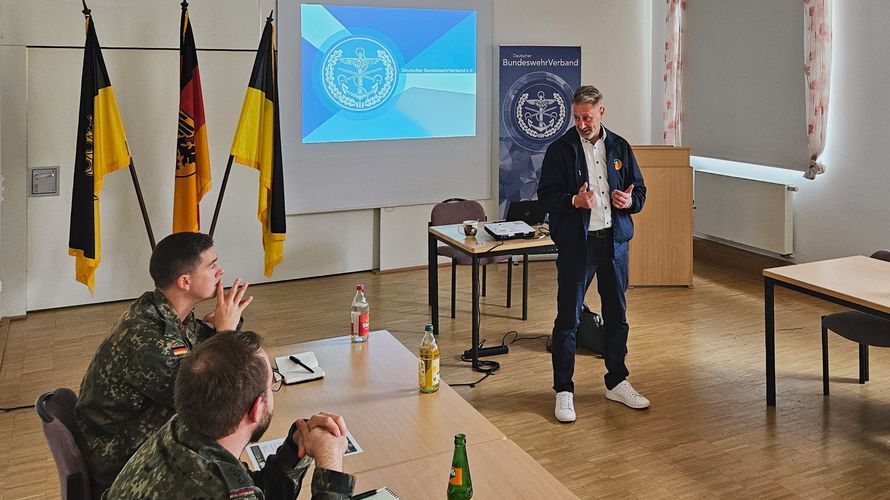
(297, 361)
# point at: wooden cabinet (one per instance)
(661, 250)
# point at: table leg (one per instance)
(509, 282)
(524, 286)
(475, 340)
(433, 282)
(769, 315)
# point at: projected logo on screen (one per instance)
(371, 73)
(360, 82)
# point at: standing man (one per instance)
(127, 391)
(219, 411)
(590, 185)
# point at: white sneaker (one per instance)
(565, 407)
(625, 393)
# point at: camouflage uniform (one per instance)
(127, 392)
(177, 462)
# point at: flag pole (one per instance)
(151, 235)
(222, 191)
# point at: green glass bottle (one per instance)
(460, 486)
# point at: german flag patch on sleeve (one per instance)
(180, 350)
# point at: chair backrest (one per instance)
(455, 211)
(881, 254)
(56, 411)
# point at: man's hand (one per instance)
(229, 306)
(584, 198)
(322, 437)
(623, 199)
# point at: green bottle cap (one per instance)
(429, 327)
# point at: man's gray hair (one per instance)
(587, 94)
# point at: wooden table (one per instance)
(373, 385)
(858, 282)
(499, 469)
(477, 247)
(407, 437)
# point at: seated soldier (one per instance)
(127, 391)
(224, 401)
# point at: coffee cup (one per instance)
(469, 228)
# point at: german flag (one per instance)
(101, 149)
(257, 144)
(192, 152)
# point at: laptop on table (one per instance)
(530, 211)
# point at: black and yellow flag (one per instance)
(101, 149)
(257, 144)
(192, 151)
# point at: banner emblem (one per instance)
(543, 117)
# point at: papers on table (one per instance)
(259, 452)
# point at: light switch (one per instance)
(44, 181)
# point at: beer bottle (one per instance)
(460, 486)
(428, 368)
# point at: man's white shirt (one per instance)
(595, 156)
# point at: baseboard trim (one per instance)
(736, 259)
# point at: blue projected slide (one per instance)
(371, 73)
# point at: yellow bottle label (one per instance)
(457, 477)
(428, 370)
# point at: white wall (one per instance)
(847, 210)
(39, 113)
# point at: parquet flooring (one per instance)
(696, 353)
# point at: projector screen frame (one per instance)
(357, 175)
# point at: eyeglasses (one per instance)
(277, 380)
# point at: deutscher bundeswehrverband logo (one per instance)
(540, 117)
(359, 73)
(536, 110)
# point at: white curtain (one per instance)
(673, 72)
(817, 68)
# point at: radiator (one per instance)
(752, 213)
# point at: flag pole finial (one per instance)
(86, 10)
(185, 4)
(269, 19)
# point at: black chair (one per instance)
(455, 211)
(56, 411)
(862, 328)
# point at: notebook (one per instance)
(378, 494)
(293, 373)
(509, 230)
(529, 211)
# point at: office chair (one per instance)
(455, 211)
(56, 411)
(862, 328)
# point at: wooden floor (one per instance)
(696, 353)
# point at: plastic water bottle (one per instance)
(428, 368)
(359, 326)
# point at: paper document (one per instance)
(258, 452)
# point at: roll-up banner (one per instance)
(536, 88)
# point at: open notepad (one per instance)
(293, 373)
